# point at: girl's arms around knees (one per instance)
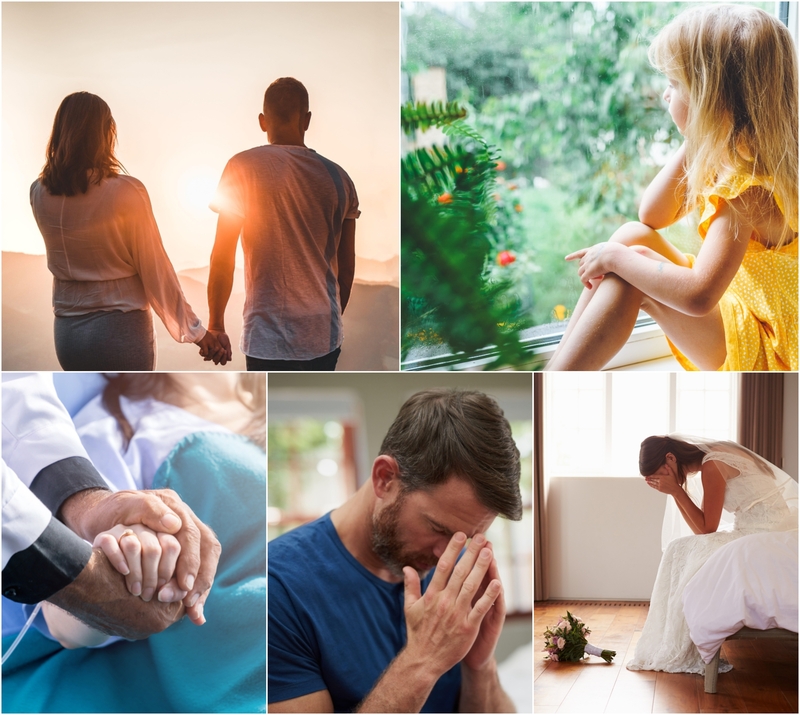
(693, 291)
(663, 202)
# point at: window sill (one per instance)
(646, 349)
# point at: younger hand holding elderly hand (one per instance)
(145, 557)
(92, 511)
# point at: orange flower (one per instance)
(500, 165)
(445, 199)
(505, 258)
(518, 208)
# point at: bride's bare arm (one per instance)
(701, 520)
(663, 200)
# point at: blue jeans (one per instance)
(326, 363)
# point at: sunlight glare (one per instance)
(196, 188)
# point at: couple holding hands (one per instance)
(293, 208)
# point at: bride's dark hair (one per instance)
(654, 450)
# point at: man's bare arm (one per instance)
(347, 260)
(481, 691)
(100, 598)
(220, 276)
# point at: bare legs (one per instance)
(604, 316)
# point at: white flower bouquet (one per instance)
(566, 642)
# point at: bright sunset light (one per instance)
(196, 188)
(185, 82)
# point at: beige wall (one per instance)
(382, 394)
(790, 429)
(604, 537)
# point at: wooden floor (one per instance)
(764, 678)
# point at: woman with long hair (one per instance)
(104, 250)
(734, 481)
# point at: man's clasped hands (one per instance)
(460, 617)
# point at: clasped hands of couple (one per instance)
(168, 558)
(215, 345)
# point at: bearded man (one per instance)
(393, 601)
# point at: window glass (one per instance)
(595, 422)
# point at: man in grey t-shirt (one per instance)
(295, 211)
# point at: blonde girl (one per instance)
(732, 93)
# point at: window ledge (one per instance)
(646, 349)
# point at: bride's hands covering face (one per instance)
(146, 558)
(665, 478)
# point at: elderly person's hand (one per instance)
(92, 511)
(100, 599)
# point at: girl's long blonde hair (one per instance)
(739, 67)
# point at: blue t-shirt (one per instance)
(334, 625)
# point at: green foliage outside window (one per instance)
(565, 93)
(454, 225)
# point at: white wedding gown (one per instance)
(758, 504)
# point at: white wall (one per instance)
(604, 537)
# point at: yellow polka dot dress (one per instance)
(759, 308)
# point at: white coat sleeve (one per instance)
(40, 555)
(40, 442)
(44, 463)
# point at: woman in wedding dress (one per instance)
(734, 481)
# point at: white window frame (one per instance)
(608, 379)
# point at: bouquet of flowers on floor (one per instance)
(566, 642)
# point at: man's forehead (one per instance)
(451, 526)
(453, 506)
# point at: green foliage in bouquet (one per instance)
(566, 642)
(450, 237)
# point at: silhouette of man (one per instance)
(295, 211)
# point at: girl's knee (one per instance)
(633, 233)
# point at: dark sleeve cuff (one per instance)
(60, 480)
(49, 564)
